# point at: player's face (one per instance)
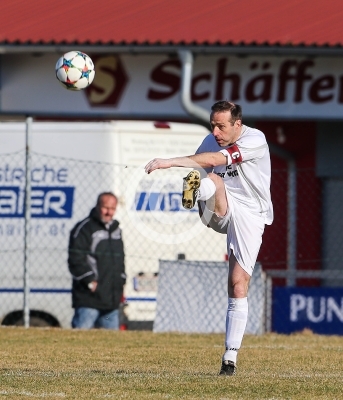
(224, 130)
(107, 208)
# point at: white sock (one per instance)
(207, 189)
(236, 321)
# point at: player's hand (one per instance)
(157, 163)
(92, 286)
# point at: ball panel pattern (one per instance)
(75, 70)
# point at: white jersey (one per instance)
(247, 172)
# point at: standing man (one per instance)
(96, 262)
(234, 199)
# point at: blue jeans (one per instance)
(87, 318)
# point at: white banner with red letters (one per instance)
(136, 86)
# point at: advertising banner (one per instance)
(148, 86)
(317, 309)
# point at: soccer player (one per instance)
(234, 199)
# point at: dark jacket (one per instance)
(96, 253)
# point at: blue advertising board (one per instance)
(158, 201)
(318, 309)
(46, 202)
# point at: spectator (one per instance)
(96, 262)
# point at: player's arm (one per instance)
(202, 160)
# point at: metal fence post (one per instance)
(268, 303)
(292, 224)
(27, 221)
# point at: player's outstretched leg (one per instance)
(191, 184)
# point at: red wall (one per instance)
(300, 140)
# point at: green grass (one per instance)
(98, 364)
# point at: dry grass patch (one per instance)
(98, 364)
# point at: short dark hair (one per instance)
(224, 105)
(105, 194)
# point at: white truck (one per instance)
(70, 164)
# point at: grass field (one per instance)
(98, 364)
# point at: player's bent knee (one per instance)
(215, 178)
(238, 289)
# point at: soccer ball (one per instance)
(75, 70)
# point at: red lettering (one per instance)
(166, 78)
(292, 81)
(235, 80)
(340, 94)
(323, 83)
(284, 77)
(265, 83)
(195, 81)
(299, 78)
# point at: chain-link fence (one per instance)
(63, 191)
(305, 269)
(192, 297)
(156, 227)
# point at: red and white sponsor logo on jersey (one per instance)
(235, 154)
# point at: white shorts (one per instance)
(244, 231)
